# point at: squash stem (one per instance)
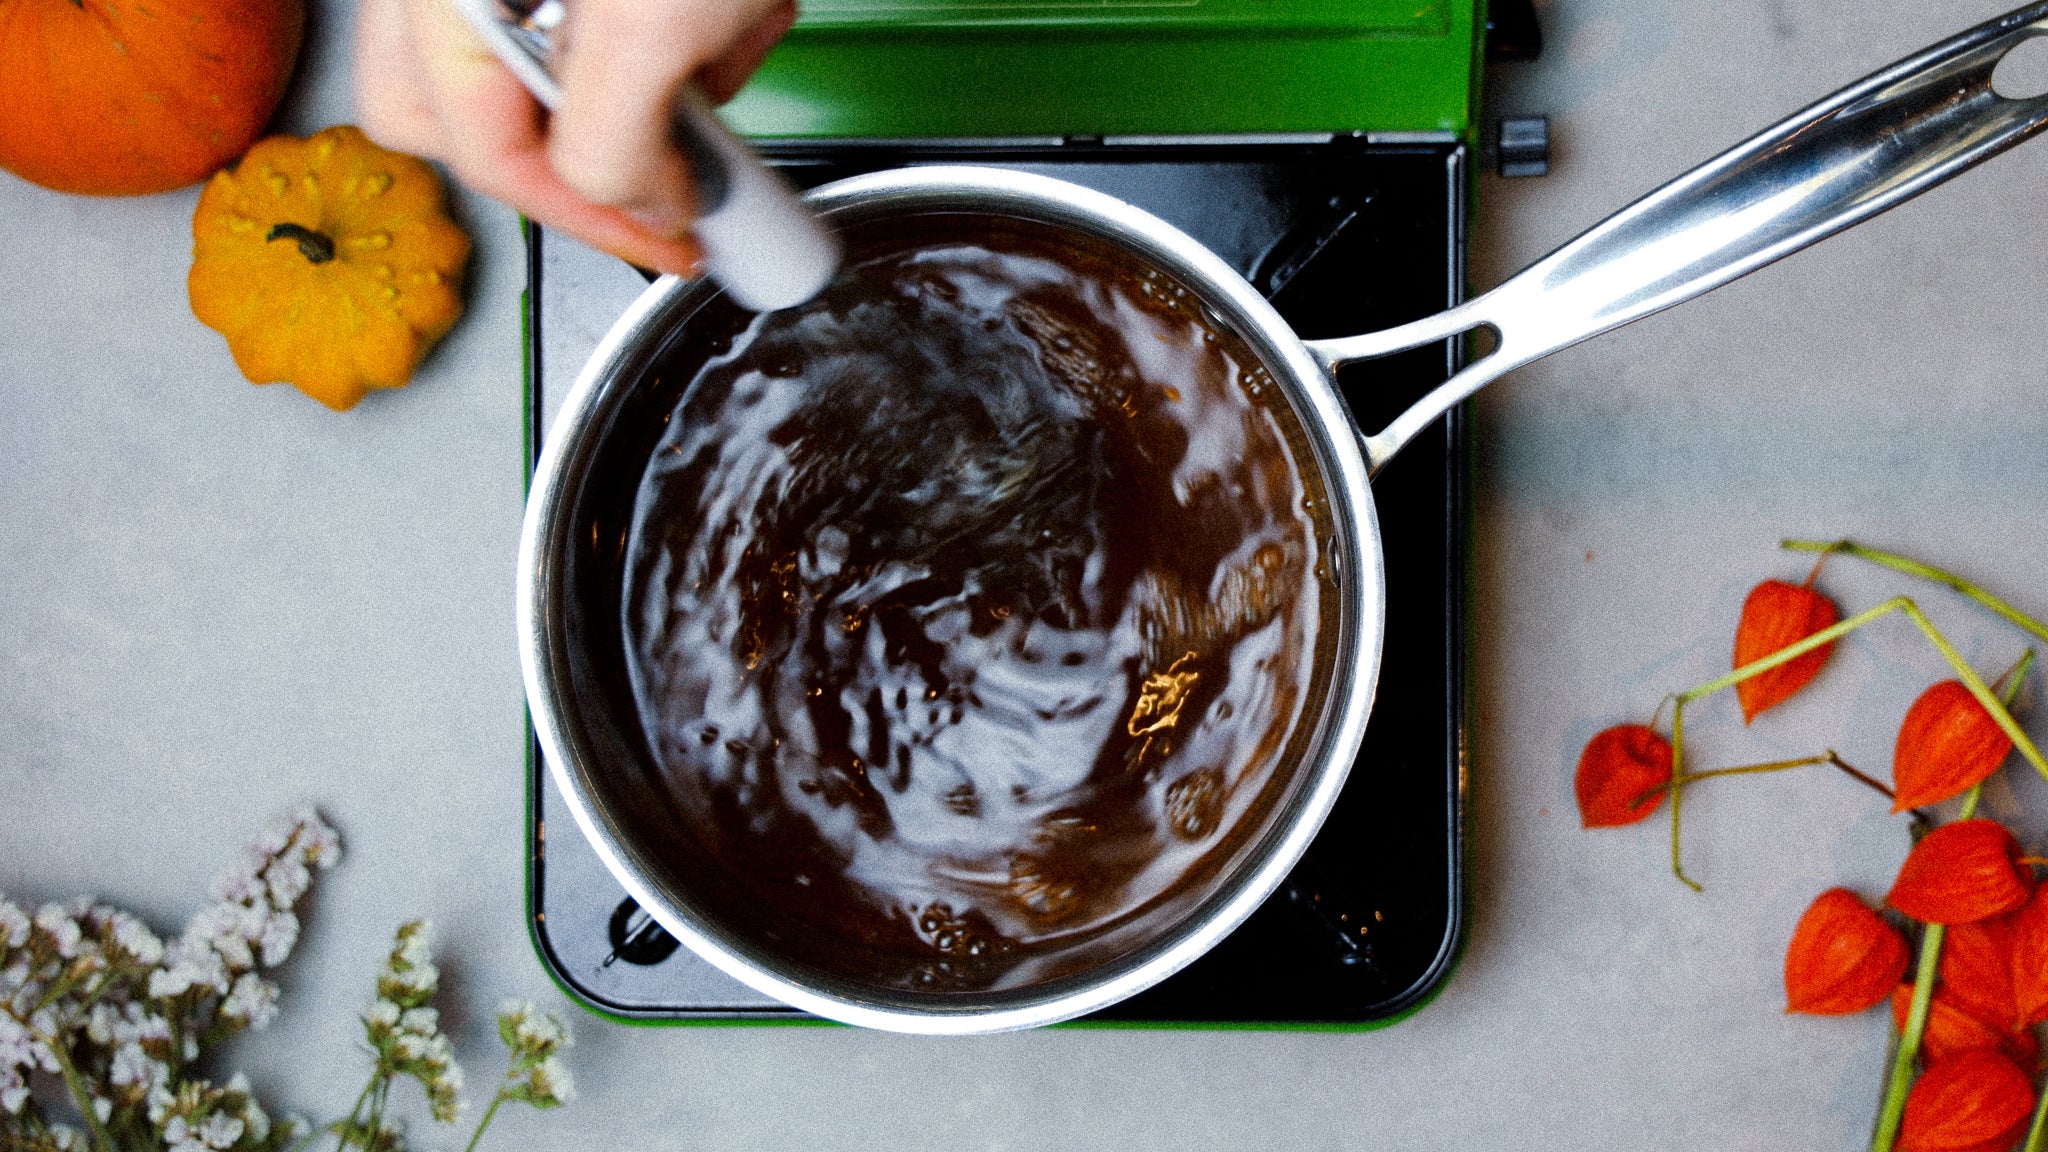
(316, 247)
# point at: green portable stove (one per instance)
(1321, 147)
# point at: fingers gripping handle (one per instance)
(760, 243)
(1874, 144)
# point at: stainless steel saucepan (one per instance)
(1849, 157)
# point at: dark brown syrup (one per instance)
(972, 609)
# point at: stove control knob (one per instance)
(636, 938)
(1523, 146)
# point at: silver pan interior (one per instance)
(572, 545)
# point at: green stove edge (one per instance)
(1232, 67)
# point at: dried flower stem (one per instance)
(1677, 781)
(375, 1124)
(343, 1130)
(1869, 781)
(497, 1101)
(80, 1094)
(1928, 572)
(1752, 769)
(372, 1097)
(1828, 757)
(1791, 652)
(1680, 780)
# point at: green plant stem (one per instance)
(377, 1104)
(348, 1126)
(2019, 669)
(75, 1084)
(180, 1010)
(1900, 1080)
(1678, 794)
(65, 985)
(1969, 807)
(58, 989)
(1752, 769)
(1744, 770)
(1928, 572)
(2037, 1132)
(1982, 691)
(1828, 635)
(1791, 652)
(485, 1122)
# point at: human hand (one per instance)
(603, 168)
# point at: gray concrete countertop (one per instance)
(218, 601)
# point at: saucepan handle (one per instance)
(1878, 142)
(760, 242)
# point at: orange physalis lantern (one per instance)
(1947, 745)
(1973, 1099)
(1776, 615)
(1621, 774)
(2030, 960)
(1843, 957)
(1960, 872)
(1976, 969)
(1951, 1029)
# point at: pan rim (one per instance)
(1334, 439)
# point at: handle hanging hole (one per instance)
(1480, 342)
(2023, 73)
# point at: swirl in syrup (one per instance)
(969, 608)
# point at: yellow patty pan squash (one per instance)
(328, 263)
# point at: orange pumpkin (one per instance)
(124, 97)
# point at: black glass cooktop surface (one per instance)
(1344, 234)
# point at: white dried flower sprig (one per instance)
(535, 1074)
(89, 995)
(403, 1029)
(199, 1117)
(91, 999)
(404, 1032)
(535, 1039)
